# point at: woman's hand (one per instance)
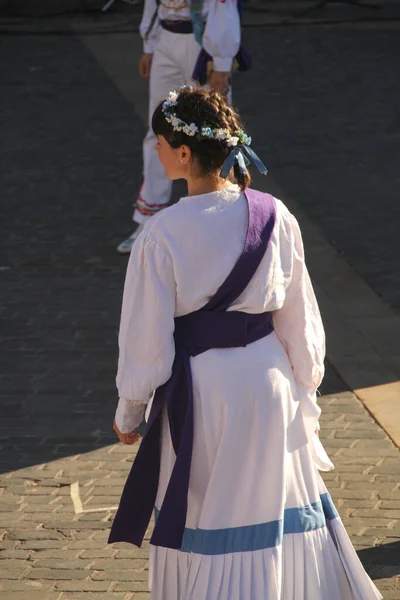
(145, 65)
(126, 438)
(219, 82)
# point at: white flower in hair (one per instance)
(175, 122)
(232, 141)
(193, 128)
(173, 97)
(220, 134)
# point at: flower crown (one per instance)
(232, 139)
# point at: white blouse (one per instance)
(221, 37)
(176, 265)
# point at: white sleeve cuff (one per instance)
(148, 46)
(223, 65)
(129, 415)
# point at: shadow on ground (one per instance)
(381, 562)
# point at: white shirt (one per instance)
(178, 262)
(221, 37)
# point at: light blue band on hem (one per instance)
(328, 507)
(304, 518)
(250, 538)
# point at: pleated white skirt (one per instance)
(305, 567)
(260, 523)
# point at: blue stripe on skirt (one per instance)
(249, 538)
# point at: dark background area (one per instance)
(322, 103)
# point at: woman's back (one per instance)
(183, 256)
(204, 236)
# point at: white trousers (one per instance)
(174, 60)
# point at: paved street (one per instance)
(322, 105)
(54, 544)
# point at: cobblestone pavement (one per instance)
(55, 516)
(70, 155)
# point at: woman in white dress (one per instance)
(219, 316)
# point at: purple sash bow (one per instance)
(210, 327)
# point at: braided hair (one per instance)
(202, 107)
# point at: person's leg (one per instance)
(166, 75)
(186, 58)
(156, 188)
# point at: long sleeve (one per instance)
(298, 323)
(221, 37)
(146, 342)
(150, 25)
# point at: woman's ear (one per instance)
(185, 155)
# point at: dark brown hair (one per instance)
(205, 109)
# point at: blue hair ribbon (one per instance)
(241, 159)
(243, 155)
(255, 159)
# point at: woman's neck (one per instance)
(197, 187)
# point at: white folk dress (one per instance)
(260, 523)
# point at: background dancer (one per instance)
(174, 32)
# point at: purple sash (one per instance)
(210, 327)
(200, 74)
(183, 27)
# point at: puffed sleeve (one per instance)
(221, 37)
(149, 26)
(146, 342)
(298, 325)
